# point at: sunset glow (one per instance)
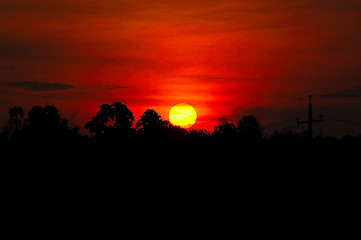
(224, 57)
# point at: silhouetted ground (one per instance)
(161, 180)
(187, 186)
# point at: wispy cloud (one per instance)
(353, 92)
(39, 86)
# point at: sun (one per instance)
(182, 115)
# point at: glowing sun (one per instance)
(182, 115)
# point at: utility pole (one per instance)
(310, 120)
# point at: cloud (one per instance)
(39, 86)
(353, 92)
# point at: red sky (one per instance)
(223, 57)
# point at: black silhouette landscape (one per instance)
(229, 174)
(93, 95)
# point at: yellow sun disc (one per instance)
(182, 115)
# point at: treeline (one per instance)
(45, 133)
(117, 119)
(115, 122)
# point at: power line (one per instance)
(278, 123)
(277, 103)
(342, 120)
(309, 121)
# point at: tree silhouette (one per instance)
(105, 114)
(45, 125)
(149, 120)
(96, 125)
(117, 114)
(44, 118)
(122, 116)
(249, 128)
(16, 115)
(45, 121)
(225, 129)
(150, 123)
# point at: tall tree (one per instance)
(122, 116)
(16, 115)
(95, 126)
(45, 119)
(150, 122)
(114, 116)
(249, 127)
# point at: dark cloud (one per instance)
(39, 86)
(15, 49)
(80, 91)
(353, 92)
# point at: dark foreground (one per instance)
(182, 187)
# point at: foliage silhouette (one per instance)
(96, 125)
(117, 113)
(150, 123)
(150, 120)
(249, 128)
(44, 118)
(225, 129)
(44, 124)
(122, 116)
(201, 133)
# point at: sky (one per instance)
(225, 58)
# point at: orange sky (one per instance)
(222, 57)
